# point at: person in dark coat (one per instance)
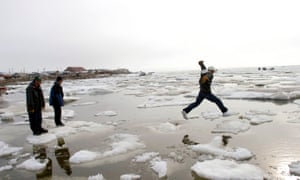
(57, 100)
(35, 103)
(205, 81)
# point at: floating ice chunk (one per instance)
(211, 115)
(232, 126)
(6, 168)
(145, 157)
(256, 120)
(260, 112)
(64, 131)
(33, 164)
(165, 128)
(122, 143)
(6, 150)
(295, 168)
(297, 101)
(69, 99)
(85, 103)
(7, 116)
(216, 148)
(83, 156)
(130, 177)
(106, 113)
(159, 166)
(96, 177)
(13, 161)
(176, 157)
(162, 101)
(226, 169)
(42, 139)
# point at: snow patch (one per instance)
(226, 169)
(216, 148)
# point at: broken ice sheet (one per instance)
(232, 126)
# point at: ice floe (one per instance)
(211, 115)
(217, 148)
(258, 117)
(145, 157)
(227, 169)
(295, 168)
(96, 177)
(83, 156)
(232, 126)
(130, 177)
(7, 116)
(42, 139)
(106, 113)
(121, 144)
(6, 150)
(162, 101)
(159, 166)
(297, 101)
(6, 168)
(33, 164)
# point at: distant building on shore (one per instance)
(75, 69)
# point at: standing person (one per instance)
(35, 103)
(205, 91)
(57, 100)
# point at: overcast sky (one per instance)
(147, 35)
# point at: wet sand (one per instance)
(275, 144)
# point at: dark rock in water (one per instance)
(187, 141)
(225, 139)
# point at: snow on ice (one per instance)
(107, 113)
(130, 177)
(121, 144)
(145, 157)
(96, 177)
(159, 166)
(227, 169)
(33, 164)
(217, 148)
(232, 126)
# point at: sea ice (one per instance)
(145, 157)
(295, 168)
(85, 103)
(165, 128)
(83, 156)
(7, 116)
(6, 150)
(257, 117)
(130, 177)
(5, 168)
(68, 114)
(297, 101)
(96, 177)
(227, 169)
(162, 101)
(232, 126)
(159, 166)
(217, 148)
(211, 115)
(42, 139)
(106, 113)
(33, 164)
(122, 143)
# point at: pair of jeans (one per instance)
(35, 120)
(209, 96)
(57, 114)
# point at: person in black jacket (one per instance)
(205, 81)
(35, 103)
(57, 100)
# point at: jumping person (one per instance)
(205, 91)
(57, 100)
(35, 103)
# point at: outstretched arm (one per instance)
(201, 63)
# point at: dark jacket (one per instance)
(56, 95)
(34, 98)
(205, 80)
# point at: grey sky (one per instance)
(147, 35)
